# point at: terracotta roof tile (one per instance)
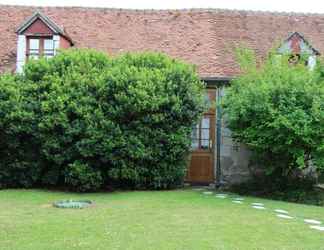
(203, 37)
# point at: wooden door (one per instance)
(201, 167)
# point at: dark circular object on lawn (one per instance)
(72, 204)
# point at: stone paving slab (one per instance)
(284, 216)
(258, 204)
(208, 192)
(281, 211)
(311, 221)
(258, 207)
(320, 228)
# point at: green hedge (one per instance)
(85, 121)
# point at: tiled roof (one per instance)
(204, 37)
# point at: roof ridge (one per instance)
(228, 10)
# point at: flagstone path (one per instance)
(280, 213)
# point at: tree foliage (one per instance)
(277, 109)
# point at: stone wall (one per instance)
(234, 159)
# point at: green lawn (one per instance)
(182, 219)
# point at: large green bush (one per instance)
(20, 164)
(81, 177)
(94, 120)
(277, 109)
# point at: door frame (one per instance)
(212, 112)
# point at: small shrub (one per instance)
(80, 177)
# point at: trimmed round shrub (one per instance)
(69, 110)
(153, 101)
(127, 119)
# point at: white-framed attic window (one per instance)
(296, 45)
(41, 40)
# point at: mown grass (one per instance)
(181, 219)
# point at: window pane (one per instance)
(200, 135)
(33, 51)
(195, 133)
(48, 44)
(205, 144)
(207, 99)
(194, 144)
(205, 134)
(195, 137)
(48, 52)
(33, 56)
(34, 44)
(205, 122)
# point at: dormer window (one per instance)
(40, 47)
(297, 47)
(39, 37)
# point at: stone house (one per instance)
(203, 37)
